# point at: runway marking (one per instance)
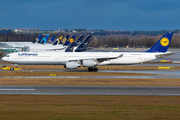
(17, 89)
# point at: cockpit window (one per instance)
(7, 56)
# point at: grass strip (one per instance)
(68, 73)
(36, 107)
(91, 82)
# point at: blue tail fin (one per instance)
(37, 39)
(72, 39)
(79, 40)
(44, 40)
(83, 46)
(67, 37)
(162, 44)
(51, 40)
(55, 42)
(70, 48)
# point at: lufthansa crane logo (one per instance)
(164, 41)
(71, 40)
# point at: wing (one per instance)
(108, 58)
(100, 59)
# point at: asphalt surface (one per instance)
(155, 74)
(88, 90)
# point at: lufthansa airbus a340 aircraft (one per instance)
(73, 60)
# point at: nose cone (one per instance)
(4, 59)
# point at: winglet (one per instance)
(120, 56)
(162, 44)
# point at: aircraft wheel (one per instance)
(95, 69)
(12, 68)
(90, 69)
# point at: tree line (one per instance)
(131, 42)
(97, 41)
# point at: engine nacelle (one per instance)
(89, 63)
(72, 65)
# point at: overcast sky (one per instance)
(91, 14)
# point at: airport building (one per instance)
(9, 47)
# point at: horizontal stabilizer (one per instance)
(89, 48)
(164, 55)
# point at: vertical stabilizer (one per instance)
(64, 40)
(70, 48)
(44, 40)
(37, 39)
(72, 39)
(79, 40)
(84, 44)
(51, 40)
(162, 44)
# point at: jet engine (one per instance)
(89, 63)
(72, 65)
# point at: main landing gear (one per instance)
(92, 69)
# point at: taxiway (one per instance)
(88, 90)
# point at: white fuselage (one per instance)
(60, 58)
(35, 47)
